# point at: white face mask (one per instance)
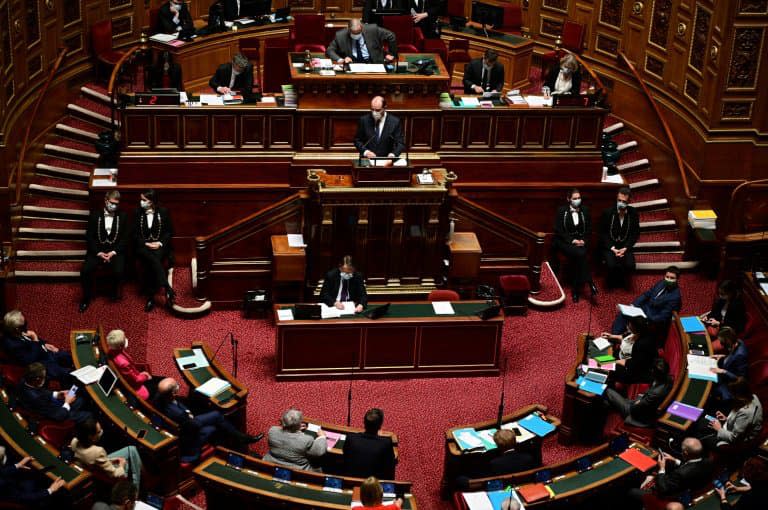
(377, 116)
(111, 207)
(565, 70)
(621, 205)
(98, 436)
(346, 276)
(126, 344)
(576, 202)
(356, 37)
(145, 204)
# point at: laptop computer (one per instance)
(306, 311)
(107, 381)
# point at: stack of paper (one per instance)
(213, 387)
(469, 101)
(196, 360)
(88, 374)
(469, 440)
(538, 101)
(703, 218)
(331, 312)
(601, 343)
(285, 314)
(367, 68)
(443, 308)
(212, 99)
(521, 433)
(163, 37)
(331, 438)
(491, 500)
(630, 311)
(699, 368)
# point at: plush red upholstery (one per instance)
(758, 374)
(514, 283)
(455, 8)
(513, 19)
(514, 290)
(276, 71)
(101, 43)
(12, 373)
(572, 39)
(250, 49)
(409, 37)
(673, 353)
(56, 433)
(436, 46)
(458, 53)
(443, 295)
(308, 32)
(458, 502)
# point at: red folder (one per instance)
(638, 459)
(534, 492)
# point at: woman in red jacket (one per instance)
(141, 381)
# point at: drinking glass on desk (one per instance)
(545, 90)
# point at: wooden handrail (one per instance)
(663, 121)
(732, 202)
(526, 232)
(591, 72)
(113, 78)
(25, 142)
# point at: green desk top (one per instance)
(612, 467)
(281, 489)
(493, 34)
(203, 374)
(121, 414)
(414, 310)
(29, 445)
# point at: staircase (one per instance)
(50, 244)
(659, 243)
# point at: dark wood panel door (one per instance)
(167, 131)
(588, 130)
(452, 131)
(137, 131)
(559, 132)
(342, 130)
(312, 132)
(479, 131)
(532, 134)
(299, 348)
(421, 132)
(478, 343)
(224, 132)
(390, 347)
(195, 129)
(252, 128)
(507, 131)
(281, 131)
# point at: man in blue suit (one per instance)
(24, 347)
(54, 405)
(729, 366)
(657, 303)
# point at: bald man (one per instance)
(693, 471)
(379, 133)
(362, 44)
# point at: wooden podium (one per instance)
(289, 263)
(465, 255)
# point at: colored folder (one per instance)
(591, 386)
(606, 358)
(684, 411)
(536, 425)
(638, 459)
(535, 492)
(692, 324)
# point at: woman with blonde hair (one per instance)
(372, 495)
(141, 381)
(564, 78)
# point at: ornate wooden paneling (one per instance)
(737, 110)
(167, 131)
(342, 130)
(137, 131)
(556, 5)
(421, 132)
(32, 22)
(660, 20)
(753, 6)
(224, 131)
(551, 27)
(587, 131)
(654, 66)
(507, 131)
(533, 131)
(281, 130)
(70, 12)
(452, 131)
(196, 134)
(699, 38)
(313, 131)
(744, 64)
(479, 131)
(560, 132)
(692, 90)
(253, 129)
(607, 45)
(612, 12)
(122, 26)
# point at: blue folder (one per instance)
(692, 324)
(590, 386)
(536, 425)
(497, 497)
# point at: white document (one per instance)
(163, 37)
(470, 101)
(213, 387)
(183, 97)
(425, 178)
(104, 171)
(525, 434)
(367, 68)
(197, 360)
(331, 312)
(700, 365)
(285, 314)
(764, 288)
(325, 63)
(296, 241)
(88, 374)
(244, 21)
(601, 343)
(312, 427)
(470, 439)
(327, 72)
(443, 308)
(630, 311)
(385, 162)
(268, 100)
(538, 100)
(477, 500)
(212, 99)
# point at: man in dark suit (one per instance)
(28, 491)
(232, 9)
(619, 230)
(54, 405)
(573, 230)
(107, 240)
(381, 5)
(174, 17)
(657, 303)
(676, 476)
(641, 411)
(196, 430)
(344, 284)
(235, 76)
(425, 14)
(368, 453)
(507, 460)
(153, 236)
(379, 134)
(362, 44)
(484, 74)
(24, 347)
(730, 366)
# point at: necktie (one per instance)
(344, 290)
(378, 130)
(359, 50)
(484, 80)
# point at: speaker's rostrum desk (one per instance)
(410, 340)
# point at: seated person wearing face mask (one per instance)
(484, 74)
(344, 284)
(658, 303)
(565, 79)
(174, 17)
(234, 77)
(619, 230)
(379, 134)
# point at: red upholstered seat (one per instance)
(513, 19)
(443, 295)
(672, 351)
(758, 374)
(455, 8)
(57, 433)
(572, 39)
(409, 37)
(250, 47)
(458, 53)
(436, 46)
(101, 44)
(308, 32)
(514, 291)
(276, 72)
(12, 373)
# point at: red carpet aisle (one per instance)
(540, 347)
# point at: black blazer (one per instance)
(165, 18)
(735, 317)
(24, 352)
(230, 9)
(96, 236)
(374, 37)
(473, 75)
(642, 410)
(566, 231)
(509, 462)
(434, 8)
(331, 284)
(659, 308)
(14, 487)
(41, 402)
(613, 233)
(369, 455)
(551, 78)
(162, 227)
(243, 82)
(370, 17)
(390, 141)
(686, 476)
(638, 367)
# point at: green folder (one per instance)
(605, 358)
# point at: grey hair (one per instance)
(116, 339)
(355, 24)
(13, 320)
(291, 419)
(240, 60)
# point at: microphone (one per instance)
(234, 344)
(365, 146)
(219, 347)
(349, 395)
(501, 401)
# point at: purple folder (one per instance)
(684, 411)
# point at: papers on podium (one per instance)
(490, 500)
(196, 360)
(631, 311)
(522, 434)
(443, 308)
(586, 384)
(332, 438)
(385, 162)
(212, 99)
(698, 368)
(367, 68)
(88, 374)
(331, 312)
(469, 440)
(285, 314)
(536, 425)
(296, 241)
(213, 387)
(538, 101)
(164, 38)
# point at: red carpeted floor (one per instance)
(539, 347)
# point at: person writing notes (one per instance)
(484, 74)
(232, 77)
(344, 284)
(362, 44)
(565, 79)
(379, 134)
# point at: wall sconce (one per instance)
(637, 8)
(681, 29)
(713, 52)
